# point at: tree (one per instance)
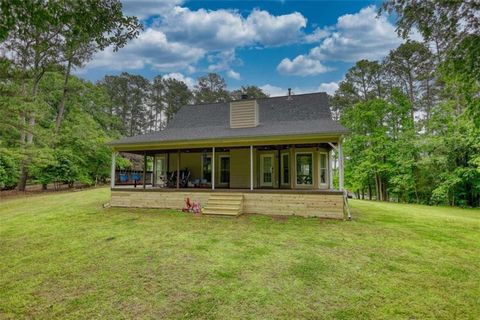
(87, 28)
(252, 92)
(177, 95)
(362, 81)
(33, 41)
(157, 100)
(411, 65)
(452, 26)
(48, 33)
(211, 88)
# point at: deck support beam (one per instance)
(340, 166)
(251, 167)
(112, 173)
(213, 168)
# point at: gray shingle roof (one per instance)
(302, 114)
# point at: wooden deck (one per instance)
(306, 203)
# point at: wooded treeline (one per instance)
(53, 125)
(415, 115)
(144, 106)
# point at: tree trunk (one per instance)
(369, 190)
(61, 107)
(22, 184)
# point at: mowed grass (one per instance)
(64, 256)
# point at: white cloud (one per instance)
(148, 8)
(152, 49)
(317, 35)
(302, 66)
(362, 35)
(222, 61)
(190, 82)
(180, 37)
(328, 87)
(227, 29)
(233, 74)
(274, 91)
(276, 30)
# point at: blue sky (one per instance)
(305, 45)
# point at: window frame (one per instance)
(296, 169)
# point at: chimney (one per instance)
(289, 94)
(244, 96)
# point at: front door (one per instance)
(266, 170)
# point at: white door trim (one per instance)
(220, 170)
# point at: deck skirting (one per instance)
(306, 204)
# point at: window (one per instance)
(304, 168)
(323, 168)
(285, 169)
(224, 169)
(207, 168)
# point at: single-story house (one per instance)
(268, 156)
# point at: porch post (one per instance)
(213, 168)
(178, 169)
(154, 173)
(112, 174)
(144, 170)
(251, 167)
(340, 165)
(330, 168)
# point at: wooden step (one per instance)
(224, 204)
(220, 213)
(223, 207)
(214, 196)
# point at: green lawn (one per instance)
(64, 256)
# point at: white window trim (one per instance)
(320, 184)
(220, 170)
(260, 170)
(282, 171)
(313, 170)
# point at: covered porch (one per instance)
(279, 178)
(292, 167)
